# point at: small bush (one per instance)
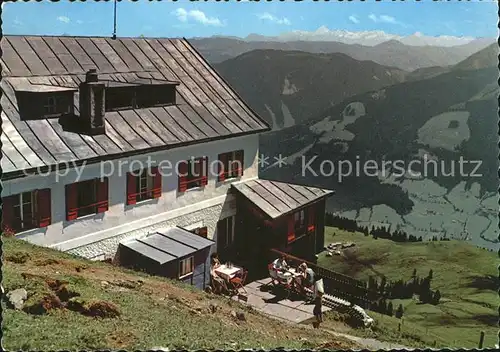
(40, 303)
(18, 257)
(103, 309)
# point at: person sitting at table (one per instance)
(309, 277)
(218, 283)
(302, 268)
(280, 264)
(215, 260)
(305, 277)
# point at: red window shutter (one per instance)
(131, 188)
(156, 182)
(222, 166)
(240, 164)
(8, 212)
(183, 169)
(71, 201)
(102, 195)
(291, 229)
(44, 207)
(204, 170)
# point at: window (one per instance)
(120, 98)
(225, 232)
(193, 173)
(311, 221)
(299, 218)
(186, 267)
(231, 165)
(143, 185)
(155, 95)
(86, 197)
(57, 104)
(27, 210)
(297, 224)
(139, 96)
(38, 103)
(201, 231)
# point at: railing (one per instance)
(339, 285)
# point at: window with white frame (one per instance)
(24, 210)
(225, 232)
(57, 104)
(186, 267)
(144, 185)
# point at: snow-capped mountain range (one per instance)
(368, 38)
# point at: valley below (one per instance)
(442, 132)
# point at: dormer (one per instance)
(38, 101)
(139, 94)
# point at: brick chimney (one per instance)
(92, 103)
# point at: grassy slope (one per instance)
(464, 274)
(158, 312)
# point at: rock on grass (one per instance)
(17, 297)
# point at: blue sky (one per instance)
(186, 18)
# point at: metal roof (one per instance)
(168, 244)
(279, 198)
(207, 108)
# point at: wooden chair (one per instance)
(239, 282)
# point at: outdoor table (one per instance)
(226, 272)
(288, 275)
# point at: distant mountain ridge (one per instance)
(368, 38)
(391, 53)
(288, 87)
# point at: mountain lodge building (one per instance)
(81, 117)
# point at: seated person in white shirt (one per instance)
(280, 264)
(306, 278)
(309, 277)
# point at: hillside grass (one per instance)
(153, 311)
(466, 277)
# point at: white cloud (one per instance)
(17, 22)
(197, 16)
(79, 21)
(63, 19)
(266, 16)
(384, 19)
(388, 19)
(353, 19)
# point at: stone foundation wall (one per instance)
(107, 248)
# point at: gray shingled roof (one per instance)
(168, 244)
(207, 108)
(278, 198)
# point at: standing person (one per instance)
(318, 309)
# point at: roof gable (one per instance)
(207, 108)
(276, 198)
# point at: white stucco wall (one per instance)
(122, 220)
